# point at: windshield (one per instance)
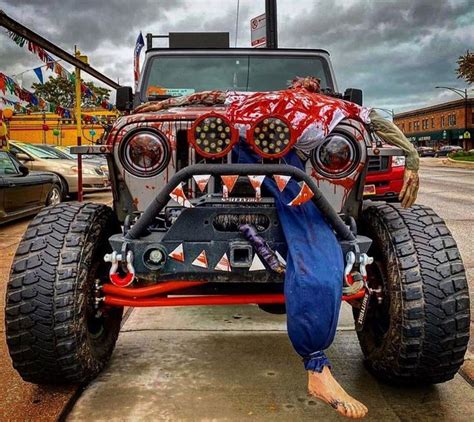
(39, 151)
(183, 75)
(56, 153)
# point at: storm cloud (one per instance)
(396, 51)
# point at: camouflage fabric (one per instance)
(391, 134)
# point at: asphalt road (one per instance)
(236, 363)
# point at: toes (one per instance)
(361, 410)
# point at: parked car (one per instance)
(97, 160)
(22, 192)
(426, 152)
(384, 177)
(63, 152)
(38, 158)
(446, 150)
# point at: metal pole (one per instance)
(271, 23)
(79, 128)
(464, 141)
(29, 35)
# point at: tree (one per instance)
(465, 68)
(61, 91)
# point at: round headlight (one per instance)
(336, 157)
(212, 136)
(270, 137)
(145, 152)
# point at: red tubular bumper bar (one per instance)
(150, 296)
(159, 289)
(196, 300)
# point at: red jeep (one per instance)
(384, 176)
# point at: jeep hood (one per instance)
(174, 113)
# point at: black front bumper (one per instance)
(212, 226)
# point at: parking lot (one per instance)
(236, 363)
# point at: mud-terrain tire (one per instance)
(419, 333)
(54, 334)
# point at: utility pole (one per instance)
(271, 23)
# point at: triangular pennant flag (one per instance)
(281, 181)
(178, 195)
(280, 258)
(178, 253)
(229, 181)
(201, 181)
(201, 260)
(223, 264)
(304, 196)
(39, 74)
(257, 264)
(256, 181)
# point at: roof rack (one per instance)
(192, 40)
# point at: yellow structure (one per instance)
(29, 128)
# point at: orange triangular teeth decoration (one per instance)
(178, 253)
(229, 181)
(256, 181)
(201, 181)
(223, 264)
(304, 196)
(281, 181)
(178, 195)
(201, 260)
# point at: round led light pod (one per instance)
(270, 137)
(212, 135)
(145, 152)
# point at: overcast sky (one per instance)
(396, 51)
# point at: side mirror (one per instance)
(124, 98)
(23, 157)
(353, 95)
(24, 170)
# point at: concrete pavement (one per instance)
(236, 363)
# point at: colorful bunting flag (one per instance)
(39, 74)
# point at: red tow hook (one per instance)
(116, 278)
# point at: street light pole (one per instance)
(463, 94)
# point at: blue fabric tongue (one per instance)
(314, 272)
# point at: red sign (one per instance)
(258, 31)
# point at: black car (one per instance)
(23, 192)
(447, 149)
(426, 152)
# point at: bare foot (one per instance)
(324, 387)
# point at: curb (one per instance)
(469, 164)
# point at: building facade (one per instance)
(50, 128)
(450, 123)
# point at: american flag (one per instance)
(136, 62)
